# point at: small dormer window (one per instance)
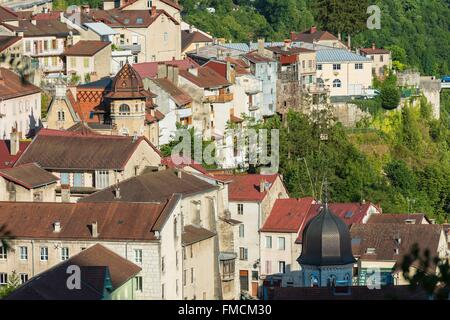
(370, 251)
(139, 21)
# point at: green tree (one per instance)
(13, 284)
(390, 97)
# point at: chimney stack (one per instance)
(117, 193)
(261, 42)
(94, 229)
(373, 46)
(162, 70)
(153, 11)
(287, 44)
(65, 193)
(14, 142)
(176, 73)
(313, 29)
(179, 174)
(262, 185)
(56, 226)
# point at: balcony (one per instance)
(253, 107)
(134, 48)
(220, 98)
(57, 68)
(317, 89)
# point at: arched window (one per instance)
(124, 108)
(337, 83)
(314, 281)
(61, 115)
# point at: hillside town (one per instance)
(91, 100)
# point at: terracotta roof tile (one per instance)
(367, 51)
(6, 159)
(188, 38)
(55, 149)
(312, 35)
(178, 95)
(115, 221)
(7, 14)
(28, 175)
(86, 48)
(8, 41)
(150, 69)
(12, 85)
(205, 78)
(246, 187)
(257, 58)
(383, 238)
(94, 262)
(288, 215)
(193, 234)
(415, 218)
(152, 186)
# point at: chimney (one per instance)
(56, 226)
(228, 71)
(14, 142)
(94, 229)
(313, 29)
(262, 185)
(162, 71)
(65, 193)
(287, 44)
(191, 28)
(117, 193)
(176, 73)
(373, 46)
(193, 71)
(179, 174)
(153, 11)
(261, 42)
(170, 72)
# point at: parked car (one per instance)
(445, 79)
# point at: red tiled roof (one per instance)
(116, 221)
(342, 210)
(288, 215)
(6, 159)
(374, 51)
(125, 18)
(205, 78)
(311, 35)
(246, 187)
(182, 162)
(413, 218)
(7, 14)
(60, 149)
(180, 97)
(52, 15)
(235, 119)
(187, 38)
(168, 2)
(8, 41)
(254, 57)
(86, 48)
(150, 69)
(28, 175)
(12, 85)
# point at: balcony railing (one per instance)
(134, 48)
(314, 88)
(221, 98)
